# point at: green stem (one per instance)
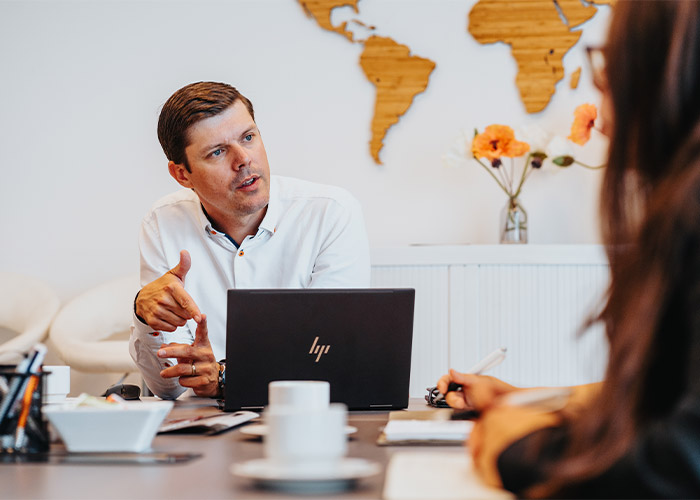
(522, 177)
(503, 172)
(488, 169)
(589, 166)
(512, 174)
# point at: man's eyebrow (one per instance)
(212, 147)
(252, 128)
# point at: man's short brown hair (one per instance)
(189, 105)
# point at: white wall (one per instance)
(83, 81)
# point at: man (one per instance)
(234, 226)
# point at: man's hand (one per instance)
(197, 367)
(164, 304)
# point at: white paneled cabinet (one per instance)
(472, 299)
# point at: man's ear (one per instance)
(180, 174)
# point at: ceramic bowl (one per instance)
(130, 428)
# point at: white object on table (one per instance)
(122, 429)
(436, 475)
(427, 430)
(56, 384)
(306, 437)
(303, 394)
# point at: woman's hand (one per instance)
(478, 391)
(498, 428)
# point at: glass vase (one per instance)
(513, 222)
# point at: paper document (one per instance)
(445, 475)
(427, 430)
(209, 424)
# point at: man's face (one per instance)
(228, 163)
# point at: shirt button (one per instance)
(241, 253)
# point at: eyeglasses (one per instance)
(596, 61)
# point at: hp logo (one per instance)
(318, 349)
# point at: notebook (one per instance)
(359, 340)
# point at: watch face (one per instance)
(222, 377)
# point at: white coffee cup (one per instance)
(304, 394)
(306, 439)
(56, 384)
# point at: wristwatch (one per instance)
(135, 313)
(222, 377)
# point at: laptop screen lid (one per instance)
(359, 340)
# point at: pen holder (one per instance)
(22, 426)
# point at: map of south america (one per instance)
(398, 77)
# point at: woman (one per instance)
(637, 434)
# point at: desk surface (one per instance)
(205, 477)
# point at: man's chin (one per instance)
(252, 207)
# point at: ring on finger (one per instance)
(194, 370)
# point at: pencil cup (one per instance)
(22, 426)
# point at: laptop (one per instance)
(359, 340)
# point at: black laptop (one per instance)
(359, 340)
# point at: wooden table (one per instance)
(205, 477)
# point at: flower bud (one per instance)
(537, 159)
(563, 161)
(496, 162)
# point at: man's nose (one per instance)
(241, 158)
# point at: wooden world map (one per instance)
(397, 75)
(540, 33)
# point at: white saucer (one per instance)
(260, 430)
(275, 476)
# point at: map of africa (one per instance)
(539, 32)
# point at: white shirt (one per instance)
(312, 236)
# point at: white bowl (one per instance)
(90, 429)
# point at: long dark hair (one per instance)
(650, 211)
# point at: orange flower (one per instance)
(584, 119)
(497, 141)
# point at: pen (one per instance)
(24, 413)
(28, 365)
(492, 360)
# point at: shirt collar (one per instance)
(203, 219)
(269, 222)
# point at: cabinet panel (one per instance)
(530, 299)
(430, 326)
